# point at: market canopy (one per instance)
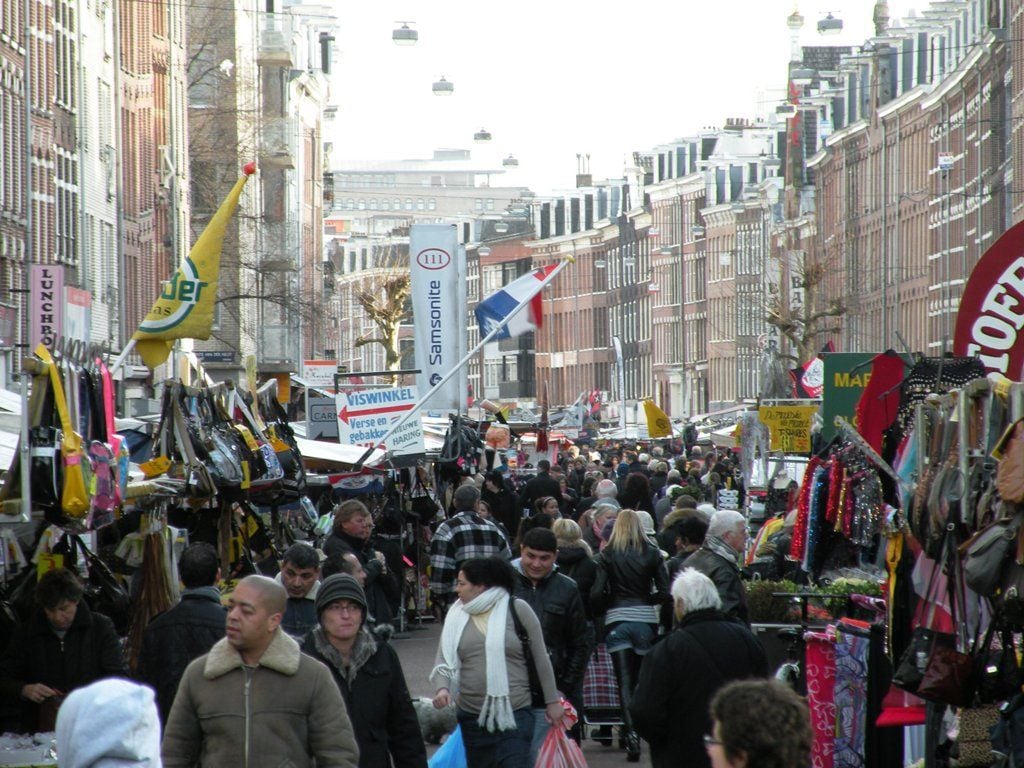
(318, 452)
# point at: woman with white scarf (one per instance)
(481, 661)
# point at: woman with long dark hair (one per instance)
(636, 493)
(482, 657)
(630, 587)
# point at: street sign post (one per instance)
(365, 417)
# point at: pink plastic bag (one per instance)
(559, 751)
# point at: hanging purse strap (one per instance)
(107, 401)
(71, 443)
(255, 423)
(929, 595)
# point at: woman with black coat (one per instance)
(628, 592)
(369, 676)
(503, 502)
(636, 493)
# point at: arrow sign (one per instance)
(344, 413)
(365, 417)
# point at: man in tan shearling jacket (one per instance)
(255, 701)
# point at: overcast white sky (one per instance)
(553, 78)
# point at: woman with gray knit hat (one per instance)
(369, 675)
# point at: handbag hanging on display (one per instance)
(949, 675)
(986, 552)
(974, 741)
(1010, 471)
(914, 660)
(74, 498)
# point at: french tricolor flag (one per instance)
(493, 311)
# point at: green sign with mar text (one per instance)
(846, 376)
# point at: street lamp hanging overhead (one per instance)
(404, 35)
(830, 25)
(443, 88)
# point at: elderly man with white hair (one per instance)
(681, 674)
(719, 559)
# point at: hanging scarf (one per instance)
(496, 713)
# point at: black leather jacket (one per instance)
(637, 577)
(557, 603)
(176, 637)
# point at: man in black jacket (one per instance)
(63, 646)
(539, 486)
(680, 675)
(186, 631)
(719, 559)
(556, 601)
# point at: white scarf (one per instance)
(496, 713)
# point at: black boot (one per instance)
(623, 663)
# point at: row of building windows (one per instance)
(11, 153)
(389, 204)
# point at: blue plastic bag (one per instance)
(452, 753)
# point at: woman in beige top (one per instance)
(482, 659)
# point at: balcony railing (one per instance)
(275, 46)
(277, 143)
(276, 352)
(280, 248)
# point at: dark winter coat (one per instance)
(680, 676)
(543, 484)
(89, 651)
(557, 603)
(377, 700)
(504, 508)
(726, 576)
(381, 588)
(578, 564)
(176, 637)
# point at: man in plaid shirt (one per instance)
(459, 538)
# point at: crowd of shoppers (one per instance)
(622, 552)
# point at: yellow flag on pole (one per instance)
(658, 423)
(184, 309)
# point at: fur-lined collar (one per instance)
(362, 651)
(282, 655)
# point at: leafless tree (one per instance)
(385, 303)
(801, 308)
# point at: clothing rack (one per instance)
(850, 433)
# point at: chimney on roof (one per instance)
(583, 176)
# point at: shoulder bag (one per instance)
(536, 691)
(949, 675)
(74, 498)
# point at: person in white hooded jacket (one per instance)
(112, 723)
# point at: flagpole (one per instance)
(119, 361)
(498, 328)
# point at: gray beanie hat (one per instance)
(339, 586)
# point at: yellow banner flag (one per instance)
(184, 309)
(658, 423)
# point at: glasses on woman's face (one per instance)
(344, 608)
(710, 741)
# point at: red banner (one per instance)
(991, 313)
